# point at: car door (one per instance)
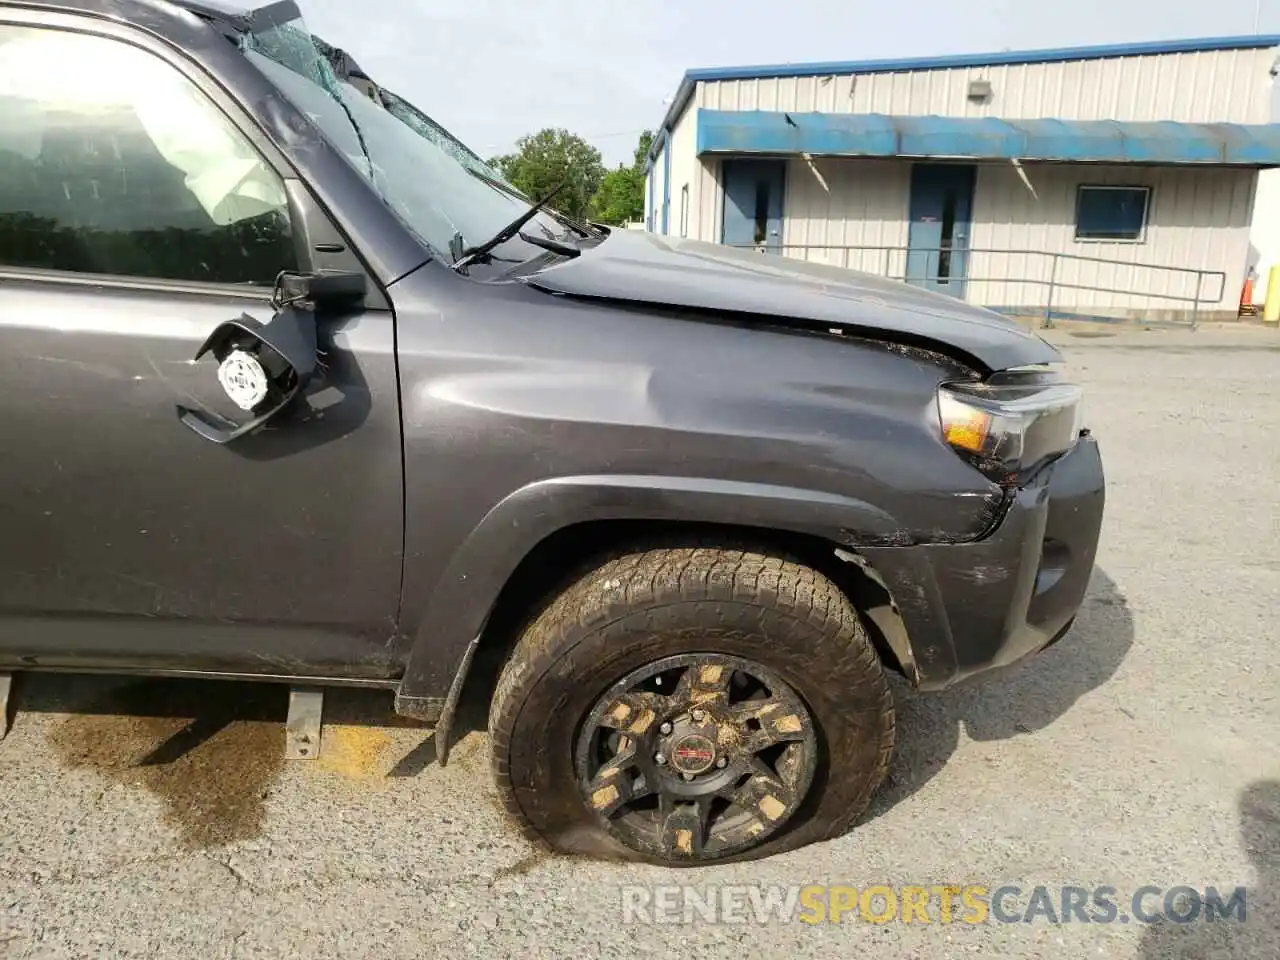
(139, 209)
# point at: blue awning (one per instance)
(986, 138)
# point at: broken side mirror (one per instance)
(263, 367)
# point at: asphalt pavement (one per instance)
(159, 819)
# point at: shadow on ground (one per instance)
(210, 750)
(214, 749)
(1025, 698)
(1258, 934)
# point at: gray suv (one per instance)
(297, 389)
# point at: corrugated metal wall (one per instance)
(709, 210)
(657, 180)
(866, 207)
(1198, 218)
(685, 169)
(1220, 86)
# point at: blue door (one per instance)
(753, 204)
(938, 240)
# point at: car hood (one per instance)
(646, 268)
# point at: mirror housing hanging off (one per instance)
(263, 367)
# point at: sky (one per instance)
(492, 70)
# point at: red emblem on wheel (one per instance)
(693, 754)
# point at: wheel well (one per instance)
(567, 554)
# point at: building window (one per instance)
(684, 210)
(1112, 213)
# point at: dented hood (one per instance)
(646, 268)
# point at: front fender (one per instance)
(462, 600)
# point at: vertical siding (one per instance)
(658, 180)
(1216, 86)
(1198, 218)
(866, 207)
(710, 201)
(648, 201)
(684, 170)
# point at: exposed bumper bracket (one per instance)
(304, 723)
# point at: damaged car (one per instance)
(297, 389)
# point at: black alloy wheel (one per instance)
(698, 755)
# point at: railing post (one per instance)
(1053, 279)
(1195, 303)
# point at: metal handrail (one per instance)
(1055, 281)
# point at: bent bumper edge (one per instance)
(971, 607)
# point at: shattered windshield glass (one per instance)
(433, 183)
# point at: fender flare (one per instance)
(454, 618)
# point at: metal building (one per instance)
(1094, 181)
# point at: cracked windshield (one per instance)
(450, 198)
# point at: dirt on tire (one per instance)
(648, 604)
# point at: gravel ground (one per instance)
(1140, 750)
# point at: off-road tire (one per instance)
(650, 604)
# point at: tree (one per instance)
(545, 159)
(642, 148)
(620, 198)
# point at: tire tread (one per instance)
(706, 577)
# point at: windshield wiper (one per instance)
(576, 226)
(550, 243)
(472, 254)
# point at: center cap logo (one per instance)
(693, 754)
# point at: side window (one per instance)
(113, 162)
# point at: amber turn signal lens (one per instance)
(969, 432)
(965, 425)
(1004, 427)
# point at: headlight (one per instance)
(1012, 423)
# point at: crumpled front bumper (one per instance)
(973, 606)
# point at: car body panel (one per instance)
(120, 513)
(507, 390)
(648, 379)
(144, 546)
(971, 607)
(647, 268)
